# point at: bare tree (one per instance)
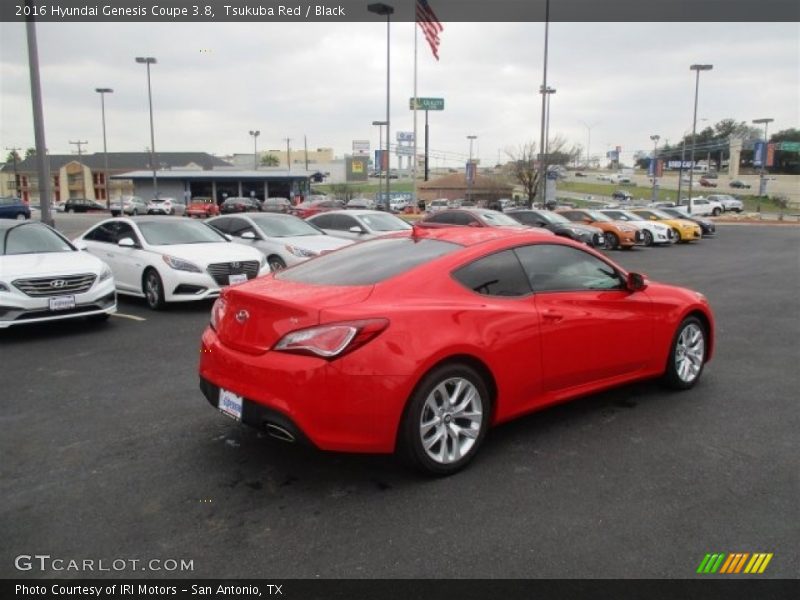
(524, 168)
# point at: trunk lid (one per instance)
(257, 314)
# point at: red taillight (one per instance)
(333, 340)
(217, 312)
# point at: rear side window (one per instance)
(499, 274)
(369, 262)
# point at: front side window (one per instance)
(498, 274)
(557, 268)
(102, 233)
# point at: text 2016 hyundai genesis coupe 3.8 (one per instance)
(417, 344)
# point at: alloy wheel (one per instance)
(689, 353)
(451, 420)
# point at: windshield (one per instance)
(555, 218)
(500, 220)
(171, 232)
(675, 212)
(32, 238)
(384, 222)
(284, 226)
(660, 214)
(622, 215)
(598, 216)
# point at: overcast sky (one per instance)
(216, 81)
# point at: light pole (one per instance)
(542, 90)
(697, 69)
(762, 185)
(149, 60)
(255, 134)
(470, 168)
(386, 10)
(380, 125)
(655, 139)
(588, 139)
(103, 92)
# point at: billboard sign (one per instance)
(759, 150)
(381, 160)
(427, 103)
(361, 146)
(405, 136)
(356, 168)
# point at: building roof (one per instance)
(218, 175)
(457, 181)
(126, 161)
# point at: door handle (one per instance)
(551, 315)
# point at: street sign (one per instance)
(788, 146)
(361, 146)
(405, 136)
(404, 150)
(427, 103)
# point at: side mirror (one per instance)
(228, 237)
(80, 245)
(356, 229)
(636, 282)
(248, 235)
(473, 224)
(126, 242)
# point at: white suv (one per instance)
(728, 202)
(704, 207)
(437, 205)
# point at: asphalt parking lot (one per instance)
(110, 451)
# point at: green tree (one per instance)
(270, 160)
(786, 135)
(30, 152)
(13, 156)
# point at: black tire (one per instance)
(715, 212)
(101, 318)
(135, 212)
(172, 212)
(276, 263)
(153, 289)
(445, 433)
(676, 235)
(648, 237)
(676, 375)
(22, 217)
(612, 241)
(70, 210)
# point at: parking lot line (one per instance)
(131, 317)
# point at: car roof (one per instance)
(472, 236)
(351, 212)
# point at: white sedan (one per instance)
(168, 260)
(358, 225)
(284, 240)
(43, 277)
(652, 232)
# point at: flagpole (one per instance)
(414, 168)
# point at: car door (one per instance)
(129, 261)
(592, 327)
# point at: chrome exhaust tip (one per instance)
(279, 432)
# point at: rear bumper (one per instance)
(316, 400)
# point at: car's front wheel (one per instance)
(276, 263)
(687, 354)
(716, 211)
(154, 289)
(612, 241)
(21, 217)
(446, 420)
(648, 237)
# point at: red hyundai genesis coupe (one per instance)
(417, 344)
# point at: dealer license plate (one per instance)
(230, 404)
(62, 302)
(237, 278)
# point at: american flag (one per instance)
(430, 25)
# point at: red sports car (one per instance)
(417, 344)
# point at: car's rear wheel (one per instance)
(676, 235)
(276, 263)
(21, 217)
(135, 212)
(648, 237)
(446, 420)
(716, 211)
(154, 289)
(687, 354)
(70, 210)
(612, 241)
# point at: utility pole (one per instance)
(305, 149)
(288, 154)
(655, 139)
(42, 160)
(79, 144)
